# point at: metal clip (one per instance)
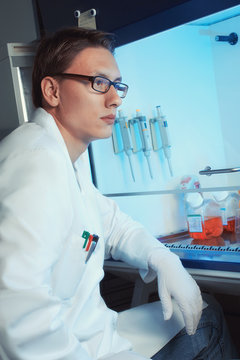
(208, 171)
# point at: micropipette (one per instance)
(145, 138)
(126, 139)
(116, 138)
(135, 136)
(163, 126)
(155, 134)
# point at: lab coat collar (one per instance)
(46, 121)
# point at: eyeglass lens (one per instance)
(102, 84)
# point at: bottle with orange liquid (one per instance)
(229, 203)
(203, 217)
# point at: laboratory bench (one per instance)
(214, 264)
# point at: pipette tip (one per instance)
(149, 166)
(170, 166)
(131, 168)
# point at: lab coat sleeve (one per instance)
(35, 216)
(126, 239)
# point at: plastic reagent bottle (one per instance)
(229, 203)
(203, 217)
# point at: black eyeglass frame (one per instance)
(92, 79)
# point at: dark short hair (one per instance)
(56, 53)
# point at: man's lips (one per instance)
(109, 119)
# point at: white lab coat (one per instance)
(50, 304)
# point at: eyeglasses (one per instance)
(99, 83)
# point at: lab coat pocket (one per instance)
(70, 268)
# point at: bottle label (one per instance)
(195, 223)
(224, 216)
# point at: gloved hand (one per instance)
(174, 281)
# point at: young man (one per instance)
(50, 304)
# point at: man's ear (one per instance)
(50, 91)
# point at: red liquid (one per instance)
(218, 241)
(212, 227)
(230, 225)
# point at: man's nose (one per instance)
(112, 97)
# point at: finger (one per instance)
(166, 300)
(197, 317)
(189, 324)
(191, 318)
(196, 312)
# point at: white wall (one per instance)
(160, 214)
(173, 69)
(195, 80)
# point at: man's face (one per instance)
(82, 113)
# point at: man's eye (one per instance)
(99, 82)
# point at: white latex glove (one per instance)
(174, 281)
(125, 355)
